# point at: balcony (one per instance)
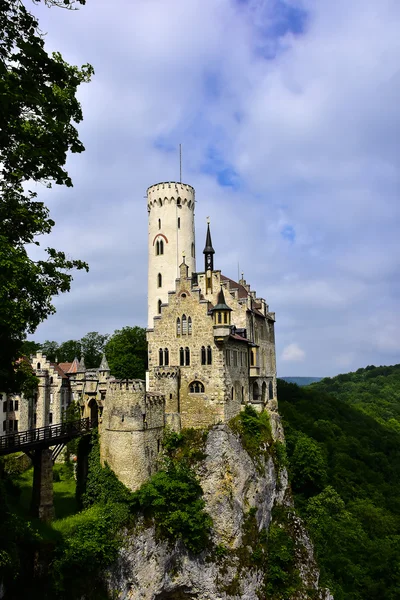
(254, 371)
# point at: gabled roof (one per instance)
(59, 370)
(242, 292)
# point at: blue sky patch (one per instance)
(288, 233)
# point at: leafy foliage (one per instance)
(173, 497)
(254, 430)
(38, 107)
(355, 520)
(126, 352)
(373, 390)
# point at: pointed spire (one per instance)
(104, 364)
(208, 250)
(221, 304)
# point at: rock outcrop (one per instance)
(242, 496)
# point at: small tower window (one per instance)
(38, 366)
(161, 357)
(157, 248)
(219, 318)
(209, 355)
(189, 325)
(203, 355)
(178, 326)
(166, 357)
(181, 357)
(179, 222)
(187, 356)
(225, 317)
(184, 325)
(159, 280)
(161, 247)
(192, 250)
(159, 223)
(196, 387)
(271, 390)
(159, 306)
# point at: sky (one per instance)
(288, 115)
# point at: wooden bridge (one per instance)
(43, 445)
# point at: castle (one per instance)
(211, 351)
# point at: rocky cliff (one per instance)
(259, 548)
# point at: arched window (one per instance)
(159, 280)
(256, 392)
(159, 223)
(179, 222)
(178, 326)
(196, 387)
(166, 357)
(157, 247)
(159, 306)
(187, 356)
(203, 355)
(189, 325)
(184, 325)
(271, 390)
(38, 366)
(181, 357)
(161, 247)
(209, 355)
(264, 392)
(160, 357)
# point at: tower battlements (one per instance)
(129, 385)
(169, 192)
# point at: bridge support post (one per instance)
(42, 492)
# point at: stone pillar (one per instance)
(42, 492)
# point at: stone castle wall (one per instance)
(131, 431)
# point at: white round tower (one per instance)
(171, 233)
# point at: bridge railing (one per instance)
(45, 436)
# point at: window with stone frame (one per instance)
(189, 325)
(161, 357)
(196, 387)
(184, 325)
(203, 355)
(178, 326)
(157, 248)
(159, 304)
(159, 280)
(166, 357)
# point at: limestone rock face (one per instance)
(233, 484)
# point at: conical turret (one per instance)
(104, 364)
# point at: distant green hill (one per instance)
(301, 380)
(344, 468)
(373, 390)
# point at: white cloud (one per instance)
(293, 353)
(311, 133)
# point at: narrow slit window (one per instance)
(178, 326)
(184, 325)
(203, 355)
(189, 325)
(179, 222)
(187, 356)
(159, 223)
(159, 280)
(161, 357)
(209, 355)
(166, 357)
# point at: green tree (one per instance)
(38, 107)
(92, 345)
(126, 352)
(308, 466)
(67, 351)
(50, 350)
(30, 347)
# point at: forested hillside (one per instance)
(345, 474)
(301, 380)
(374, 390)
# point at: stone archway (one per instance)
(256, 391)
(264, 392)
(94, 410)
